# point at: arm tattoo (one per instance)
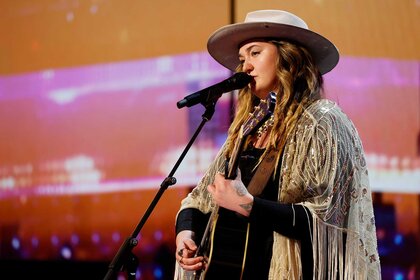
(242, 191)
(247, 207)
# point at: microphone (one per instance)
(212, 93)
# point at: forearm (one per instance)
(291, 220)
(191, 219)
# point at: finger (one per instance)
(180, 252)
(191, 263)
(180, 255)
(190, 246)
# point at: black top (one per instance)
(267, 215)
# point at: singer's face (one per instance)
(259, 59)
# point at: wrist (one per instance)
(246, 206)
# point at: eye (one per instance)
(255, 53)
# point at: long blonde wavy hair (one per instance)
(299, 82)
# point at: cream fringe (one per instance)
(328, 249)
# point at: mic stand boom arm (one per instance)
(125, 259)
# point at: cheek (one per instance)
(272, 76)
(270, 69)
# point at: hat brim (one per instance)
(223, 44)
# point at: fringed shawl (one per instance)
(323, 168)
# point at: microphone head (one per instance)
(239, 80)
(212, 93)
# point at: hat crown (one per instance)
(275, 16)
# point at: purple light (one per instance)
(158, 235)
(116, 237)
(15, 243)
(96, 238)
(66, 253)
(55, 240)
(74, 239)
(35, 242)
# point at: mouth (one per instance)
(253, 82)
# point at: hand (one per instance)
(231, 194)
(185, 251)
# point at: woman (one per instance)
(313, 218)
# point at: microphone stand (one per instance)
(125, 259)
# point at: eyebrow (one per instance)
(247, 49)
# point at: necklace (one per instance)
(267, 124)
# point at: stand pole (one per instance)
(125, 259)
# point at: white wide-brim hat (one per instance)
(223, 45)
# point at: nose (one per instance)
(247, 67)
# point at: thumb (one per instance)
(190, 245)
